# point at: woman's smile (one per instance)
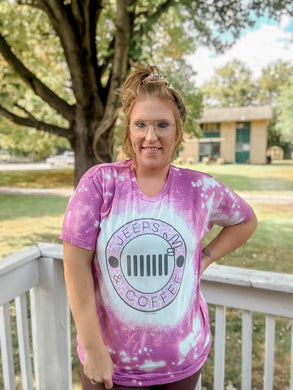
(150, 149)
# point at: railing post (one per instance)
(269, 353)
(6, 348)
(23, 342)
(51, 328)
(246, 350)
(220, 338)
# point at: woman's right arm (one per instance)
(98, 365)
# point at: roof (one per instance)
(236, 114)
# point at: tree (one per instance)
(274, 77)
(231, 86)
(285, 111)
(94, 42)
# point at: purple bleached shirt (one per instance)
(146, 266)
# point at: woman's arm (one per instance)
(98, 364)
(229, 239)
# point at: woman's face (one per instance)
(152, 133)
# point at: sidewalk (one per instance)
(67, 192)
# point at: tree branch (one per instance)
(31, 121)
(34, 83)
(75, 25)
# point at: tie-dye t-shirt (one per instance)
(146, 266)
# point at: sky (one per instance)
(259, 46)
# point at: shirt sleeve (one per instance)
(227, 207)
(83, 214)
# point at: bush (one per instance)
(205, 160)
(220, 161)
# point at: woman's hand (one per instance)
(98, 366)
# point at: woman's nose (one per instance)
(151, 133)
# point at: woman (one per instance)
(132, 251)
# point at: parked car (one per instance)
(61, 160)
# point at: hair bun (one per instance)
(154, 77)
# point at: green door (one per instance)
(242, 145)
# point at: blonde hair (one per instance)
(146, 82)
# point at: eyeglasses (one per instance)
(162, 128)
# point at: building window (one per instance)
(211, 130)
(210, 142)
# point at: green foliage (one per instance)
(25, 141)
(285, 111)
(36, 43)
(231, 86)
(33, 39)
(274, 77)
(274, 83)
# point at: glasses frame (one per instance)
(144, 130)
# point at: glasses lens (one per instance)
(164, 129)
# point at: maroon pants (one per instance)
(185, 384)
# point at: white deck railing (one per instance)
(35, 275)
(33, 279)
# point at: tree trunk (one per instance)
(84, 156)
(82, 144)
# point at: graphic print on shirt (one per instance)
(146, 260)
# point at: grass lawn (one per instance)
(274, 178)
(26, 220)
(47, 178)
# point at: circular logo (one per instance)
(145, 261)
